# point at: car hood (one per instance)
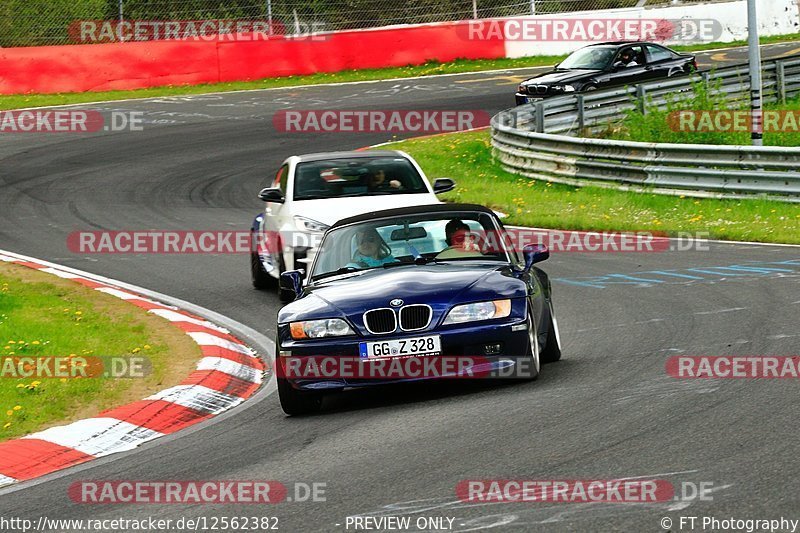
(439, 285)
(331, 210)
(561, 76)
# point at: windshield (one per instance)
(418, 239)
(593, 57)
(362, 176)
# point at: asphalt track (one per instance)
(608, 410)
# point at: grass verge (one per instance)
(660, 125)
(41, 315)
(467, 158)
(431, 68)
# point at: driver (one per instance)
(460, 241)
(377, 181)
(627, 59)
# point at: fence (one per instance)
(541, 141)
(47, 22)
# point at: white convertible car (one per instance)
(311, 192)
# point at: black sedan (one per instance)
(607, 65)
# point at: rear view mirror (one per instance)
(443, 185)
(535, 253)
(408, 234)
(271, 194)
(291, 281)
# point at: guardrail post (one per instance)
(539, 118)
(641, 92)
(780, 74)
(581, 113)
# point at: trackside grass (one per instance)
(467, 158)
(660, 125)
(41, 315)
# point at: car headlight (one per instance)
(564, 88)
(522, 89)
(307, 224)
(478, 311)
(316, 329)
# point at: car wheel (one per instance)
(552, 348)
(590, 88)
(532, 361)
(295, 402)
(284, 295)
(261, 279)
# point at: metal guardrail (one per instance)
(541, 141)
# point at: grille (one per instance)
(414, 317)
(380, 321)
(540, 89)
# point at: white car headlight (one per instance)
(316, 329)
(565, 88)
(478, 311)
(307, 224)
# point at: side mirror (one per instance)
(292, 280)
(443, 185)
(271, 194)
(535, 253)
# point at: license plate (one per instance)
(401, 347)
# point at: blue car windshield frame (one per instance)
(411, 240)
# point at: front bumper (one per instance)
(523, 99)
(481, 348)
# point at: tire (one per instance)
(532, 358)
(261, 279)
(552, 347)
(589, 88)
(295, 402)
(284, 295)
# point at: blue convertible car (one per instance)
(414, 293)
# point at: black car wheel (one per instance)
(295, 402)
(590, 87)
(261, 279)
(532, 364)
(552, 348)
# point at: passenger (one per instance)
(371, 251)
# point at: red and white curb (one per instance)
(228, 373)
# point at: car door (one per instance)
(275, 213)
(630, 75)
(660, 62)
